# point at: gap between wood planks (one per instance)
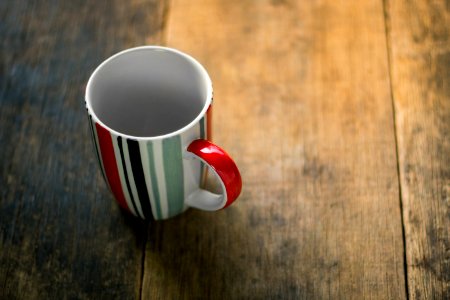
(389, 58)
(162, 41)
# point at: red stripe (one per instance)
(109, 163)
(209, 123)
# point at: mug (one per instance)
(149, 111)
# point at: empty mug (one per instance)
(149, 111)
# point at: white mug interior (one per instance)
(148, 91)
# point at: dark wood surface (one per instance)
(62, 236)
(337, 113)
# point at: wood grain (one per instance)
(303, 104)
(61, 234)
(418, 33)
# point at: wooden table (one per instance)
(337, 113)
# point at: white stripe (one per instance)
(191, 167)
(121, 174)
(94, 128)
(161, 178)
(126, 156)
(148, 181)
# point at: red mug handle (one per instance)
(223, 167)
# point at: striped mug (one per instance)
(149, 111)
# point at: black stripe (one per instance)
(122, 158)
(96, 148)
(139, 179)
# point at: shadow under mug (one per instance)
(149, 112)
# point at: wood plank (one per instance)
(302, 102)
(61, 234)
(419, 38)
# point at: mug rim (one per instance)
(186, 56)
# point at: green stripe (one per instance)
(202, 128)
(151, 162)
(173, 171)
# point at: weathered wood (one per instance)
(419, 41)
(61, 234)
(302, 102)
